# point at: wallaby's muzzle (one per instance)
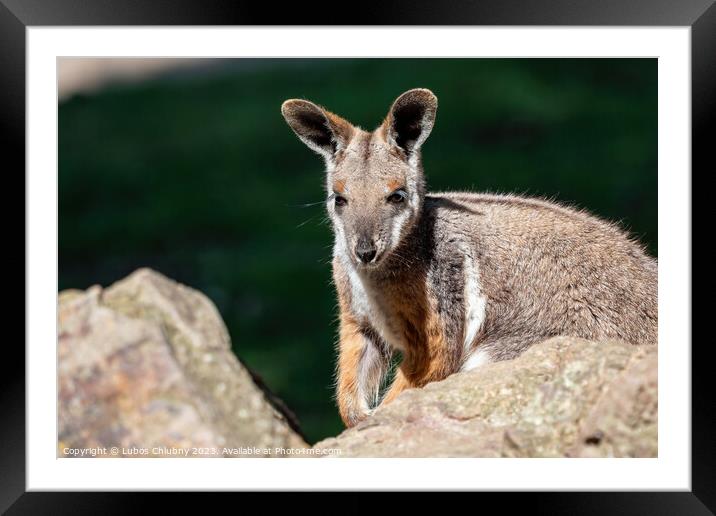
(365, 250)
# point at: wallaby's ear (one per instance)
(321, 130)
(411, 119)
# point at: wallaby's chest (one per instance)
(402, 313)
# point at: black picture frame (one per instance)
(17, 15)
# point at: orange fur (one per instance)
(351, 348)
(425, 357)
(339, 186)
(535, 268)
(340, 126)
(400, 383)
(352, 341)
(394, 184)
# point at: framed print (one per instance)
(443, 248)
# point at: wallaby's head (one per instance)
(374, 179)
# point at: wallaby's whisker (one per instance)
(453, 281)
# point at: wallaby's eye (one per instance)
(397, 197)
(340, 201)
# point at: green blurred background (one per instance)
(195, 174)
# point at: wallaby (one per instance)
(453, 281)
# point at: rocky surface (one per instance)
(564, 397)
(146, 364)
(146, 369)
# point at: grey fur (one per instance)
(544, 269)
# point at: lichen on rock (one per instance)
(147, 365)
(564, 397)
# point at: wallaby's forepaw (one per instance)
(352, 418)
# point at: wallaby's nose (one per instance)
(365, 251)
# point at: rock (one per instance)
(623, 423)
(564, 397)
(146, 366)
